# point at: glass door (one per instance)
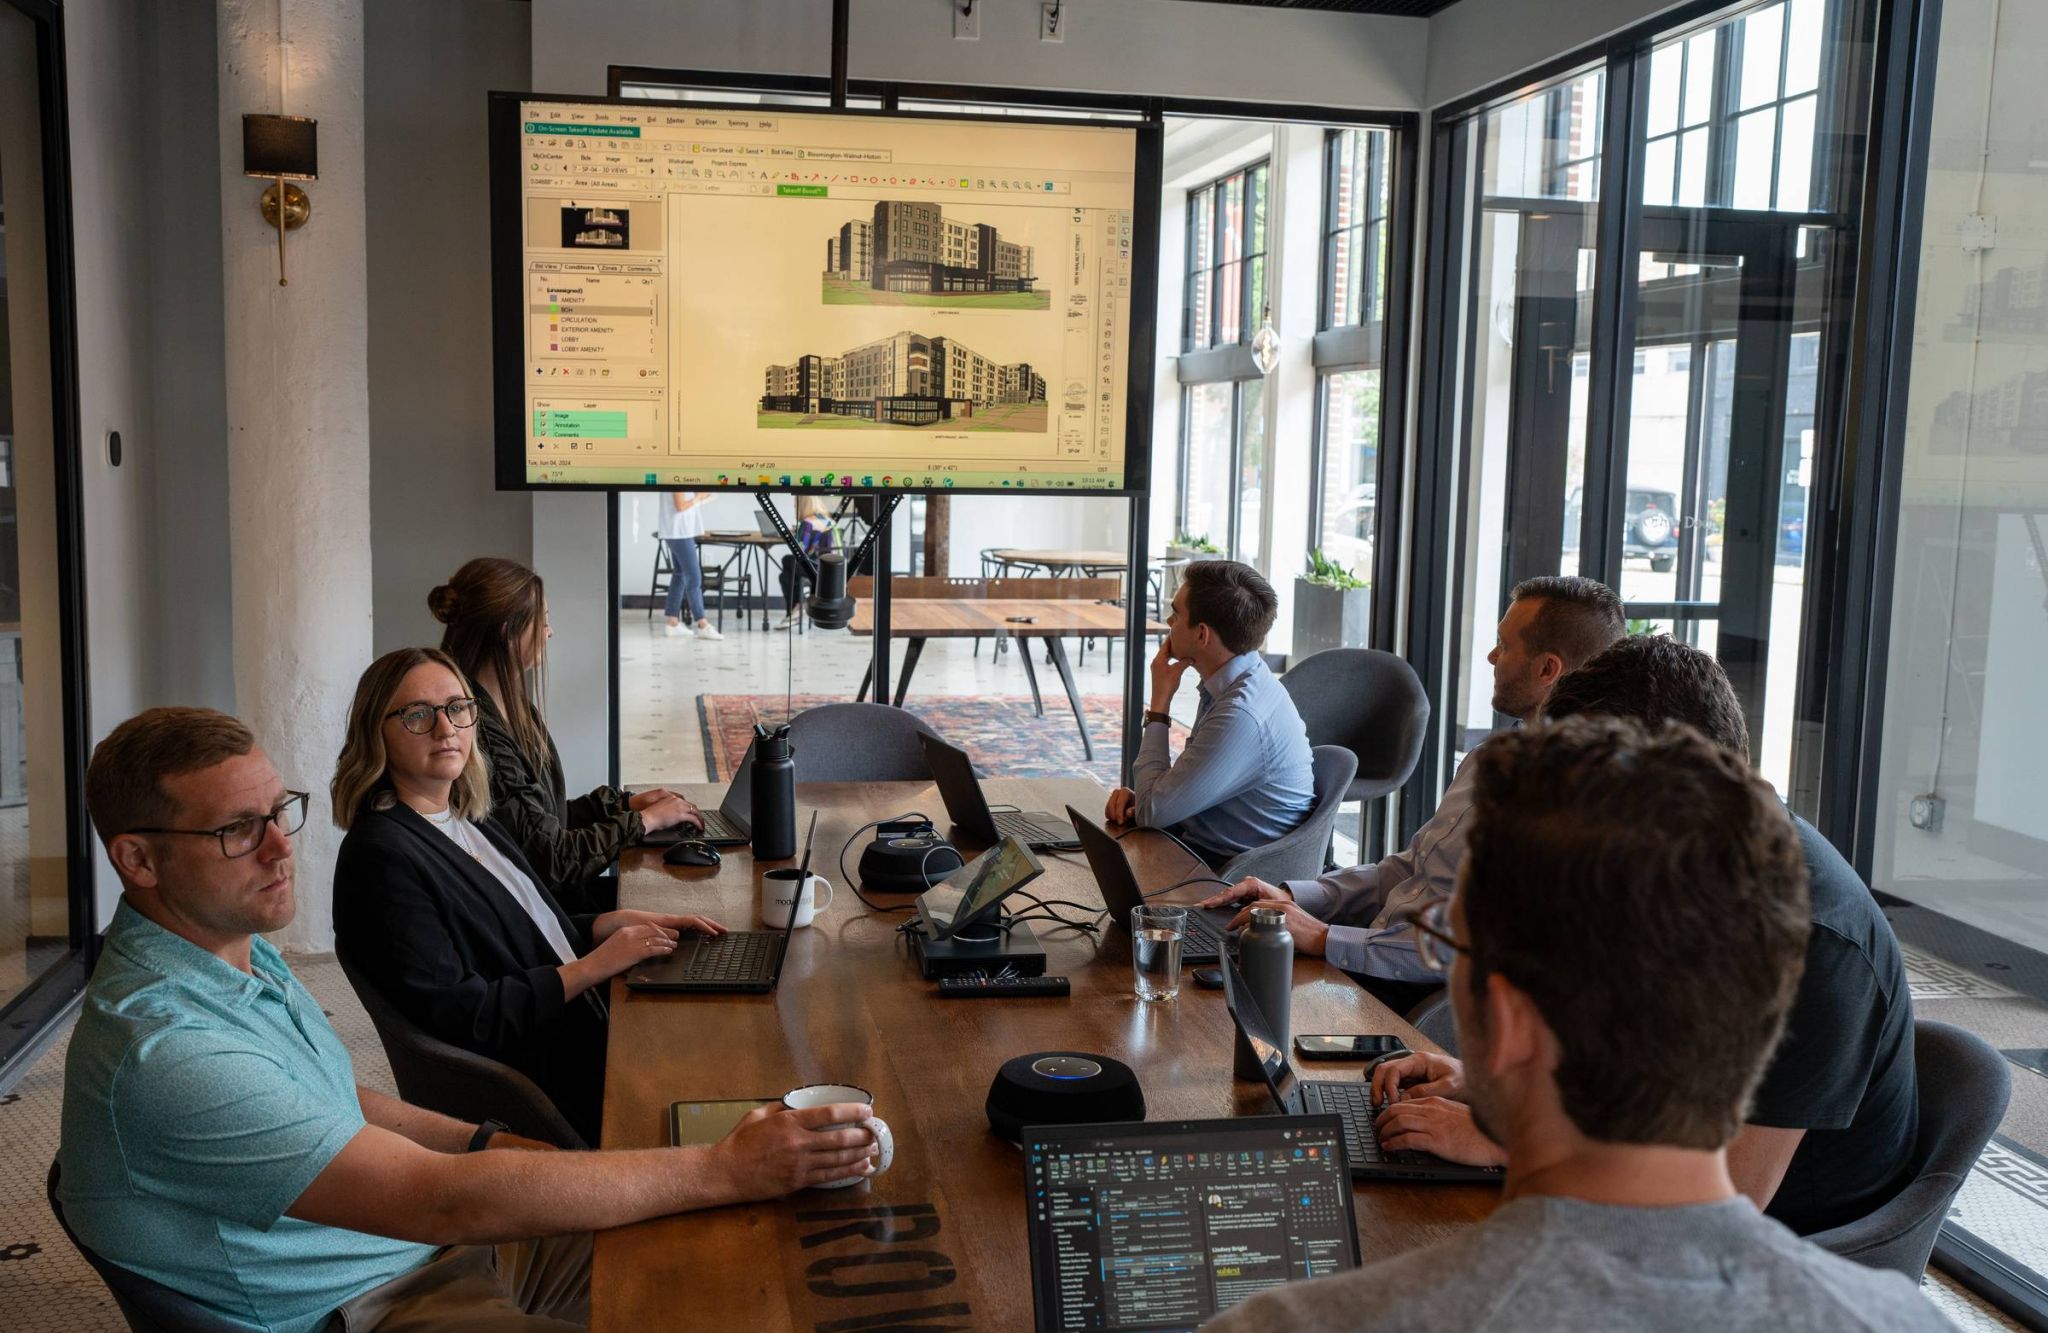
(1712, 441)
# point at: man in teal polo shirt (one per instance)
(215, 1139)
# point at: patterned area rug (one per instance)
(1000, 732)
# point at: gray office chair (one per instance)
(1299, 855)
(859, 742)
(148, 1305)
(1964, 1087)
(1432, 1018)
(1369, 702)
(445, 1078)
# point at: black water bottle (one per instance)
(774, 812)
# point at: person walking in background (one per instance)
(681, 525)
(814, 534)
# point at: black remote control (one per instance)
(974, 988)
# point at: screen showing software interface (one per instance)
(1162, 1232)
(776, 298)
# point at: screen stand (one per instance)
(1011, 944)
(877, 534)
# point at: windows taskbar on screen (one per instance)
(692, 478)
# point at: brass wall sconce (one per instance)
(282, 149)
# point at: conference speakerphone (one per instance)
(1164, 1225)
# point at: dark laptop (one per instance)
(1164, 1225)
(953, 771)
(730, 825)
(1208, 930)
(1350, 1101)
(739, 962)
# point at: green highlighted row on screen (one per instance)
(582, 425)
(594, 131)
(800, 191)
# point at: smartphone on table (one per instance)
(1345, 1046)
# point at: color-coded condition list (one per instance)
(582, 425)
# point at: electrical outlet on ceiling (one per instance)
(966, 20)
(1052, 20)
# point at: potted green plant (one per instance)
(1331, 606)
(1184, 547)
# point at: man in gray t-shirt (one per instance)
(1613, 1033)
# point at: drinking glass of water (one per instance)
(1156, 935)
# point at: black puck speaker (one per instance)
(909, 861)
(1062, 1088)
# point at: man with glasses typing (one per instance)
(1620, 957)
(214, 1137)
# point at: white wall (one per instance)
(1167, 47)
(432, 502)
(1477, 43)
(107, 49)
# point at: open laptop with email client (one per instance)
(1351, 1101)
(739, 962)
(1208, 930)
(953, 771)
(730, 825)
(1166, 1224)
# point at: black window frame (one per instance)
(1253, 176)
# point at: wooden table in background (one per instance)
(944, 1230)
(757, 548)
(1092, 562)
(922, 618)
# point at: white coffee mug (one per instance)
(775, 890)
(826, 1094)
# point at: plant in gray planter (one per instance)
(1330, 607)
(1184, 546)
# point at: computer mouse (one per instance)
(695, 852)
(1208, 978)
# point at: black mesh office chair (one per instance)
(148, 1305)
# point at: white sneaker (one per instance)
(706, 630)
(677, 631)
(789, 621)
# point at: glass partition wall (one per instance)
(1646, 268)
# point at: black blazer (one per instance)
(573, 842)
(451, 949)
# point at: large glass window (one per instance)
(1654, 418)
(1226, 249)
(45, 892)
(1350, 355)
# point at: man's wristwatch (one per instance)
(1151, 717)
(484, 1134)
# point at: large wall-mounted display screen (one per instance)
(699, 296)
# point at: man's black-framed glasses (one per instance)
(419, 718)
(245, 835)
(1435, 945)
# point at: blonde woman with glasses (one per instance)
(438, 909)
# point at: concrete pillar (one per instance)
(298, 407)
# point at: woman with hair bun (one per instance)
(497, 632)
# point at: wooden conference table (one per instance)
(943, 1232)
(921, 618)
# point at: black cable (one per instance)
(1037, 901)
(1192, 879)
(844, 847)
(1089, 926)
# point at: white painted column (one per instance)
(298, 408)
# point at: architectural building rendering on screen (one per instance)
(906, 379)
(911, 253)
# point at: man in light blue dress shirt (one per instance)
(1245, 777)
(1357, 918)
